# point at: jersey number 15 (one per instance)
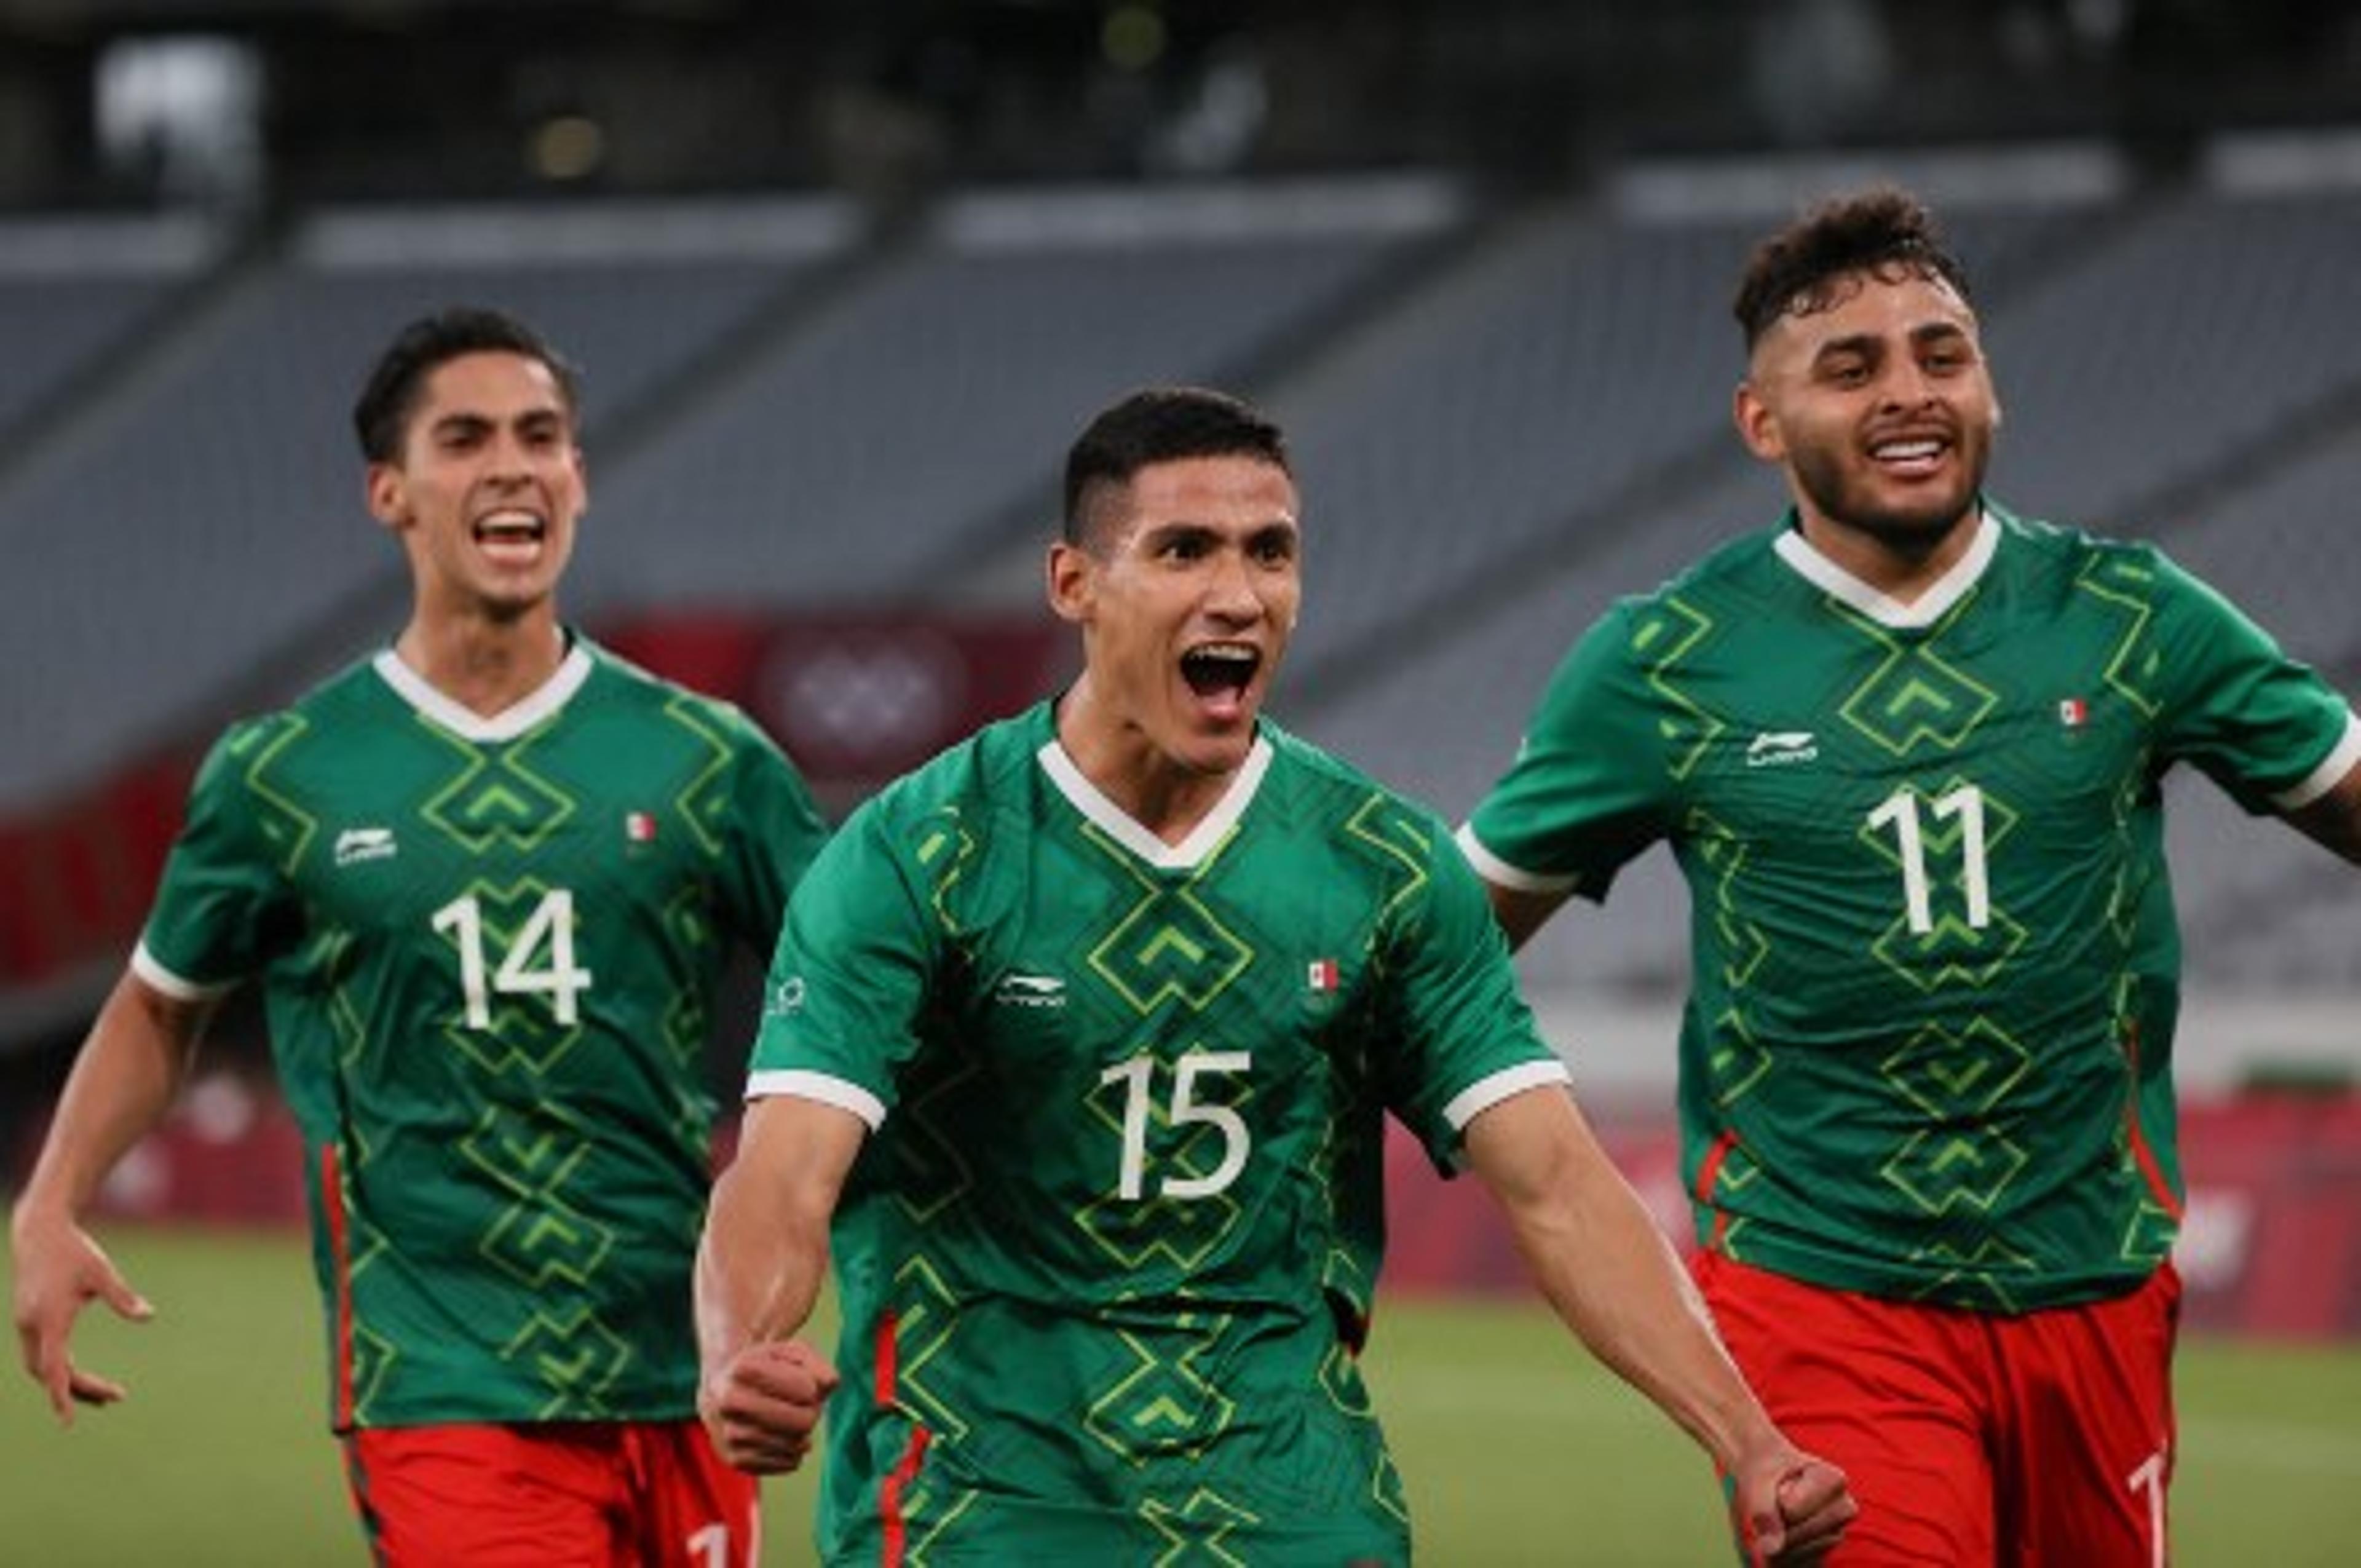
(1185, 1111)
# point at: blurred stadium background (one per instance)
(846, 275)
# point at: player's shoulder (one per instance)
(1743, 568)
(620, 682)
(325, 715)
(1325, 781)
(2066, 543)
(354, 694)
(2076, 557)
(986, 773)
(615, 678)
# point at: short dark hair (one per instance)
(397, 380)
(1883, 230)
(1161, 424)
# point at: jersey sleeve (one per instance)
(1463, 1037)
(1589, 789)
(2264, 727)
(224, 890)
(777, 830)
(852, 973)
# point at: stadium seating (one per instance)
(1504, 417)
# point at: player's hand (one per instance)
(761, 1404)
(1793, 1508)
(58, 1269)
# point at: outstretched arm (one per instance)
(758, 1273)
(2335, 819)
(131, 1068)
(1612, 1277)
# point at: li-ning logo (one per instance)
(1780, 749)
(356, 844)
(1030, 990)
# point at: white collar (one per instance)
(1125, 829)
(466, 722)
(1930, 606)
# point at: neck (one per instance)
(1129, 769)
(1901, 566)
(485, 666)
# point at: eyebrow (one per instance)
(469, 422)
(1871, 344)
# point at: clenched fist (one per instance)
(762, 1404)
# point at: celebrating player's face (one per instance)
(488, 485)
(1881, 408)
(1187, 596)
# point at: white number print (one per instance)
(1900, 812)
(1136, 1075)
(2149, 1478)
(547, 935)
(709, 1546)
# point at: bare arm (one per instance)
(2335, 819)
(1520, 914)
(1612, 1277)
(129, 1070)
(759, 1270)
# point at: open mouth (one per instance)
(1914, 454)
(508, 532)
(1221, 673)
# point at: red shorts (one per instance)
(1971, 1438)
(598, 1494)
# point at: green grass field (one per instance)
(1517, 1449)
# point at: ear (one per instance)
(387, 497)
(1758, 426)
(1072, 577)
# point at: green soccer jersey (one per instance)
(1928, 1048)
(488, 948)
(1106, 1261)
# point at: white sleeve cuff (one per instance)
(180, 988)
(803, 1084)
(1501, 874)
(1487, 1092)
(2330, 772)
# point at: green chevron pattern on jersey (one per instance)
(1927, 1049)
(487, 953)
(1104, 1262)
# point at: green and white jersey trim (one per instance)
(2331, 772)
(1126, 830)
(179, 987)
(1924, 610)
(1501, 874)
(802, 1083)
(1505, 1084)
(466, 722)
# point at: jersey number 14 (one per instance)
(538, 963)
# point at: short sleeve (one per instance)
(776, 832)
(1589, 789)
(224, 892)
(852, 971)
(1462, 1036)
(2264, 727)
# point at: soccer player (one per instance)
(487, 878)
(1907, 747)
(1081, 1035)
